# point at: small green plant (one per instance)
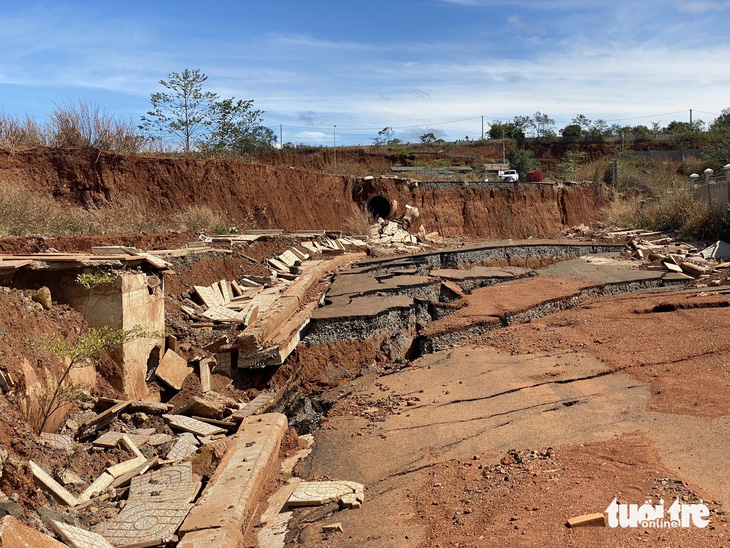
(92, 280)
(88, 348)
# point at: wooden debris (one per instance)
(587, 519)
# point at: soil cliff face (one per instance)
(496, 213)
(266, 196)
(292, 199)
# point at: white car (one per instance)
(509, 176)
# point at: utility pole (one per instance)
(690, 117)
(482, 127)
(334, 142)
(281, 137)
(503, 152)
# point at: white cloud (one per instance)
(702, 6)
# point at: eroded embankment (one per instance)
(488, 213)
(265, 196)
(292, 199)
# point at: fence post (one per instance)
(708, 173)
(727, 182)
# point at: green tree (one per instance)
(717, 155)
(430, 139)
(569, 166)
(721, 124)
(509, 130)
(571, 132)
(182, 110)
(385, 137)
(543, 125)
(236, 126)
(522, 161)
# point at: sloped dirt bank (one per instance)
(265, 196)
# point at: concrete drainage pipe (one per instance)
(380, 207)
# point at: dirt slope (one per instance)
(262, 195)
(497, 213)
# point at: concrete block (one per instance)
(181, 450)
(51, 485)
(122, 468)
(173, 370)
(233, 492)
(76, 537)
(208, 538)
(14, 534)
(211, 405)
(316, 493)
(204, 368)
(99, 485)
(196, 427)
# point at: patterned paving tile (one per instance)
(314, 493)
(181, 450)
(168, 484)
(146, 524)
(59, 442)
(197, 427)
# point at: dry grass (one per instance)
(677, 210)
(36, 212)
(359, 222)
(16, 132)
(595, 171)
(72, 125)
(85, 125)
(199, 218)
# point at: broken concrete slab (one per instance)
(204, 371)
(99, 485)
(112, 439)
(211, 405)
(125, 467)
(253, 407)
(231, 496)
(719, 251)
(52, 486)
(209, 296)
(174, 483)
(146, 523)
(173, 370)
(317, 493)
(76, 537)
(193, 426)
(13, 534)
(181, 450)
(159, 439)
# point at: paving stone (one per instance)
(60, 442)
(189, 437)
(174, 483)
(159, 439)
(181, 450)
(142, 432)
(76, 537)
(316, 493)
(146, 524)
(14, 534)
(112, 439)
(211, 405)
(253, 407)
(173, 370)
(199, 428)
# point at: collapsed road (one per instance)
(314, 388)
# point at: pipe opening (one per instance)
(379, 207)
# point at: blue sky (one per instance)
(414, 65)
